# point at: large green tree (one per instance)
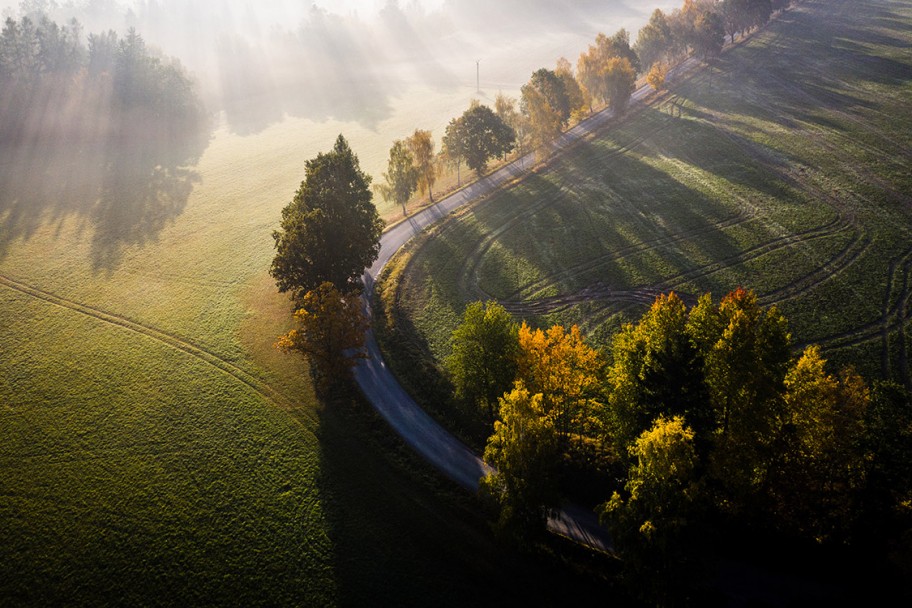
(485, 349)
(745, 350)
(331, 230)
(656, 370)
(550, 89)
(480, 136)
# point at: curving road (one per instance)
(413, 424)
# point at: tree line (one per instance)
(693, 415)
(605, 75)
(55, 81)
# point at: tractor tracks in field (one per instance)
(173, 341)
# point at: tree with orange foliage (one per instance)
(657, 75)
(330, 332)
(566, 371)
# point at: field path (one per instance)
(181, 344)
(407, 418)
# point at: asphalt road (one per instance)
(413, 424)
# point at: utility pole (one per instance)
(478, 76)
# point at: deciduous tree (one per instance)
(620, 81)
(421, 145)
(745, 350)
(607, 70)
(480, 136)
(566, 371)
(657, 75)
(654, 42)
(656, 371)
(330, 332)
(505, 108)
(551, 91)
(649, 524)
(455, 145)
(330, 231)
(524, 453)
(401, 177)
(708, 35)
(821, 459)
(576, 97)
(485, 350)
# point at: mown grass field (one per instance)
(785, 170)
(156, 450)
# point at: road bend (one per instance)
(434, 443)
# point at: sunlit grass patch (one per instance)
(786, 172)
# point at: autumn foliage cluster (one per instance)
(700, 412)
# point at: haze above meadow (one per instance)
(287, 79)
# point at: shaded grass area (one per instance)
(784, 170)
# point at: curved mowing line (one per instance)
(259, 387)
(827, 271)
(601, 292)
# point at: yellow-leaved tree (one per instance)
(330, 332)
(523, 451)
(566, 371)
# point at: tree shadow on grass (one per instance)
(123, 183)
(405, 536)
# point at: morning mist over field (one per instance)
(353, 61)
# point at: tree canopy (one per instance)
(331, 230)
(607, 70)
(523, 449)
(485, 348)
(478, 136)
(560, 365)
(330, 331)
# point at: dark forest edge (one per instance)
(113, 88)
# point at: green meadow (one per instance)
(783, 169)
(156, 450)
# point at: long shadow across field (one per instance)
(404, 536)
(123, 186)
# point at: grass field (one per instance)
(156, 450)
(784, 170)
